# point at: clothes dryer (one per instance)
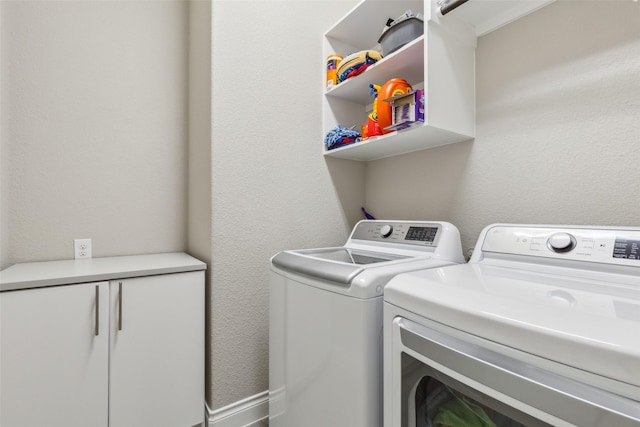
(325, 331)
(540, 328)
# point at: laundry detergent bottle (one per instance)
(391, 88)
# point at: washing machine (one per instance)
(325, 330)
(540, 328)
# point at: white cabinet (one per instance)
(442, 62)
(53, 365)
(156, 363)
(122, 353)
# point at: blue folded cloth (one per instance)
(340, 135)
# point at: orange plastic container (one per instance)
(391, 88)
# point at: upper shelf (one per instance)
(360, 32)
(489, 15)
(484, 15)
(405, 62)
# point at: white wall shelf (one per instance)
(413, 139)
(442, 62)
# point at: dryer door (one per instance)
(445, 381)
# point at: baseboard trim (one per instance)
(241, 413)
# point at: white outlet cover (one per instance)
(82, 248)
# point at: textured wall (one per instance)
(558, 102)
(93, 127)
(272, 189)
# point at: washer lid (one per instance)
(339, 265)
(351, 256)
(591, 322)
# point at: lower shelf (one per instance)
(402, 142)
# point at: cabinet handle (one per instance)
(120, 306)
(97, 322)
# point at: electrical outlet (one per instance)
(82, 248)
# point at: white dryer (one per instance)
(325, 331)
(540, 328)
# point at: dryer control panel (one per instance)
(610, 245)
(411, 233)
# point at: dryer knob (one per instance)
(386, 230)
(561, 242)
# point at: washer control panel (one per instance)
(613, 245)
(412, 233)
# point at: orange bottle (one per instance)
(333, 62)
(391, 88)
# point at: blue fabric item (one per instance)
(340, 136)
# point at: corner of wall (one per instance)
(199, 203)
(4, 164)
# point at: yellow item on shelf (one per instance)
(357, 59)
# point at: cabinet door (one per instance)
(157, 351)
(54, 356)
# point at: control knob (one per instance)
(386, 230)
(561, 242)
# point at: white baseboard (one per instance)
(241, 413)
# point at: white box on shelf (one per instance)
(406, 110)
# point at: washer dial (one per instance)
(561, 242)
(386, 230)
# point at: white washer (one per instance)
(541, 328)
(325, 331)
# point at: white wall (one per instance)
(93, 127)
(272, 189)
(558, 102)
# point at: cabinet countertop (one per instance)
(65, 272)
